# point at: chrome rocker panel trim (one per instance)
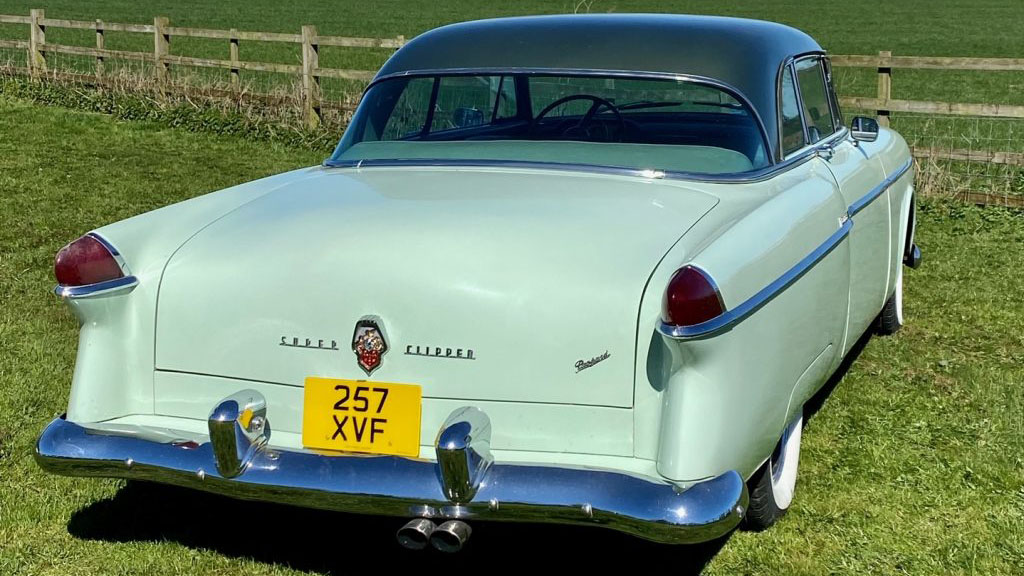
(650, 508)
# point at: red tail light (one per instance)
(691, 298)
(85, 261)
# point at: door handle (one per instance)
(826, 151)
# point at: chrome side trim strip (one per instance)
(648, 507)
(731, 317)
(877, 191)
(116, 286)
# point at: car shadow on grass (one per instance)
(817, 402)
(332, 543)
(335, 543)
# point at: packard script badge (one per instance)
(369, 344)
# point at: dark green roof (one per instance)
(745, 54)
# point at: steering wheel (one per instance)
(584, 124)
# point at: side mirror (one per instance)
(864, 129)
(466, 117)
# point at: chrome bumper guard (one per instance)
(464, 482)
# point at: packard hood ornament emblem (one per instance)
(369, 343)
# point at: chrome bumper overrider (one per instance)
(464, 482)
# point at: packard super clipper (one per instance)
(571, 269)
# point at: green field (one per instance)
(990, 28)
(913, 465)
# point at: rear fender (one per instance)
(723, 400)
(113, 374)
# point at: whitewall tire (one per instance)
(890, 319)
(772, 487)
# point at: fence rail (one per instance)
(885, 105)
(887, 60)
(309, 72)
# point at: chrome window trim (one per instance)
(820, 57)
(788, 63)
(795, 159)
(637, 74)
(768, 172)
(833, 97)
(877, 191)
(734, 316)
(800, 104)
(120, 285)
(816, 148)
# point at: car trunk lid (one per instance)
(500, 285)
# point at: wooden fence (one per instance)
(885, 105)
(310, 72)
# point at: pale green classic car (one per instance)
(566, 269)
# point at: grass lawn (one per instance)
(913, 465)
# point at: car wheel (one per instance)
(773, 485)
(890, 319)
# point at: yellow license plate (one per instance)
(361, 416)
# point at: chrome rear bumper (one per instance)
(464, 483)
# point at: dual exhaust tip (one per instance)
(450, 536)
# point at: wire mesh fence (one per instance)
(972, 158)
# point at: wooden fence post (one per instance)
(884, 85)
(310, 81)
(161, 48)
(234, 57)
(36, 40)
(100, 43)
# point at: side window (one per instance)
(410, 113)
(504, 95)
(792, 125)
(817, 105)
(831, 85)
(467, 101)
